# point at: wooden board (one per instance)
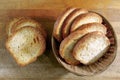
(46, 12)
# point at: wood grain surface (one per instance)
(46, 12)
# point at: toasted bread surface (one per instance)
(84, 19)
(91, 47)
(67, 45)
(58, 24)
(11, 23)
(94, 26)
(25, 45)
(28, 22)
(68, 21)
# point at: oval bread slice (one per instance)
(67, 45)
(94, 26)
(91, 47)
(58, 24)
(26, 45)
(68, 21)
(28, 22)
(84, 19)
(10, 25)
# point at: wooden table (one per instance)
(47, 67)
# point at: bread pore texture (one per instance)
(91, 47)
(25, 45)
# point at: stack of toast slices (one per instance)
(81, 35)
(26, 40)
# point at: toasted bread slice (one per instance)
(68, 21)
(26, 45)
(67, 45)
(94, 26)
(84, 19)
(11, 23)
(91, 47)
(28, 22)
(58, 24)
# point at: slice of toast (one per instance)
(58, 24)
(68, 21)
(11, 23)
(84, 19)
(67, 45)
(25, 21)
(94, 26)
(26, 45)
(91, 47)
